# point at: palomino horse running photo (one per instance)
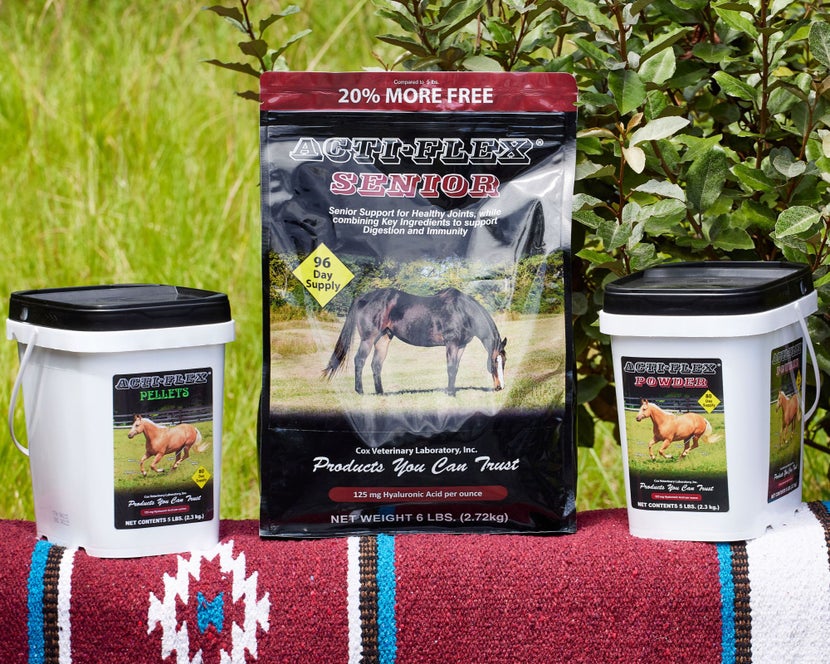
(161, 440)
(667, 428)
(448, 318)
(790, 411)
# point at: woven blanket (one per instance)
(599, 595)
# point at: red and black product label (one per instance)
(163, 448)
(418, 368)
(675, 433)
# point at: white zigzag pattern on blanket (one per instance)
(176, 639)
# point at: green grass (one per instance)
(125, 158)
(414, 377)
(707, 459)
(127, 454)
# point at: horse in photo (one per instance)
(449, 318)
(161, 440)
(667, 428)
(790, 416)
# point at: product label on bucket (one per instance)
(785, 420)
(675, 434)
(163, 448)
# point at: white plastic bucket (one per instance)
(92, 359)
(702, 354)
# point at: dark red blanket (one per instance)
(599, 595)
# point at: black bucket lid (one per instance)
(708, 288)
(119, 307)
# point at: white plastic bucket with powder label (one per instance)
(709, 364)
(122, 388)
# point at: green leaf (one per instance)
(698, 146)
(407, 43)
(590, 11)
(582, 200)
(232, 13)
(500, 32)
(642, 256)
(593, 256)
(599, 132)
(796, 220)
(662, 188)
(656, 102)
(592, 50)
(738, 20)
(588, 218)
(754, 179)
(482, 63)
(249, 94)
(731, 239)
(291, 40)
(658, 129)
(596, 99)
(713, 53)
(705, 179)
(628, 89)
(820, 42)
(590, 387)
(663, 42)
(660, 68)
(265, 23)
(667, 209)
(256, 48)
(734, 87)
(613, 235)
(459, 14)
(242, 67)
(400, 18)
(752, 214)
(785, 163)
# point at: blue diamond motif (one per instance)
(210, 612)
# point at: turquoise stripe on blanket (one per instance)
(47, 602)
(727, 610)
(371, 598)
(37, 649)
(387, 626)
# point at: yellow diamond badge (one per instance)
(201, 476)
(323, 274)
(709, 401)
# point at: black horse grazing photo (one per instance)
(448, 318)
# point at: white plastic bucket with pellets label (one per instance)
(122, 390)
(709, 364)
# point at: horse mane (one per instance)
(469, 302)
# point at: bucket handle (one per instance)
(16, 389)
(813, 360)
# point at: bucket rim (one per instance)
(112, 307)
(708, 288)
(117, 341)
(695, 326)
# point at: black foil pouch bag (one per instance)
(418, 355)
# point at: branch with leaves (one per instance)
(255, 45)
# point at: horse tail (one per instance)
(200, 444)
(707, 436)
(344, 341)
